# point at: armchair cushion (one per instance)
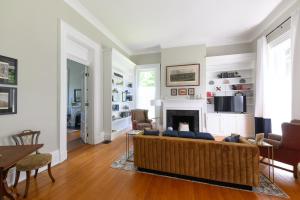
(276, 144)
(140, 117)
(274, 137)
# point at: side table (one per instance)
(128, 134)
(270, 158)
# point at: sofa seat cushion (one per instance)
(170, 133)
(34, 161)
(186, 134)
(151, 132)
(204, 136)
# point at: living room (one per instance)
(181, 100)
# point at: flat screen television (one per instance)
(236, 104)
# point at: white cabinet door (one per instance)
(213, 123)
(228, 124)
(245, 125)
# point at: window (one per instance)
(148, 88)
(280, 84)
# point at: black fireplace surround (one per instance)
(174, 117)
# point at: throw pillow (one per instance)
(186, 134)
(204, 136)
(233, 138)
(151, 132)
(170, 133)
(184, 126)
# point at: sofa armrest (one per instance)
(274, 137)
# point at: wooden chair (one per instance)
(33, 161)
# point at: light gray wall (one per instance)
(75, 78)
(229, 49)
(29, 32)
(183, 55)
(151, 58)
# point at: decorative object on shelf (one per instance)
(211, 82)
(129, 97)
(8, 100)
(115, 107)
(77, 95)
(228, 75)
(191, 91)
(218, 88)
(209, 94)
(183, 75)
(239, 94)
(242, 80)
(174, 92)
(126, 107)
(182, 91)
(226, 81)
(129, 85)
(8, 70)
(125, 114)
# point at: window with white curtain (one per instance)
(280, 81)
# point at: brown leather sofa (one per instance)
(140, 120)
(236, 163)
(287, 146)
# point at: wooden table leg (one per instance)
(4, 189)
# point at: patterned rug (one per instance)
(266, 187)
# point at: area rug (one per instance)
(266, 187)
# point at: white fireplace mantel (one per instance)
(185, 104)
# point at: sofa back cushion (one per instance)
(204, 136)
(186, 134)
(170, 133)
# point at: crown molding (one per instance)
(275, 15)
(85, 13)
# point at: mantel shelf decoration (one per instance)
(183, 75)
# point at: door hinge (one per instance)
(86, 104)
(87, 74)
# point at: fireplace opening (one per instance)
(175, 117)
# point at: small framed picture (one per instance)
(8, 70)
(174, 92)
(182, 91)
(191, 91)
(8, 100)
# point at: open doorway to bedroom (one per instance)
(76, 105)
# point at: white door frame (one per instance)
(76, 46)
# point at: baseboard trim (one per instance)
(12, 172)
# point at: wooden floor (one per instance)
(87, 175)
(74, 140)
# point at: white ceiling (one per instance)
(148, 25)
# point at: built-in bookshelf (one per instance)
(119, 94)
(231, 75)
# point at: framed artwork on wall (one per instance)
(8, 70)
(182, 91)
(183, 75)
(191, 91)
(77, 95)
(174, 92)
(8, 100)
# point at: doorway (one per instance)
(77, 100)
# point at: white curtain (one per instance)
(295, 30)
(262, 108)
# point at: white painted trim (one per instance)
(78, 7)
(55, 161)
(273, 17)
(90, 54)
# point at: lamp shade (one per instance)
(155, 102)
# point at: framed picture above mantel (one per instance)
(183, 75)
(8, 70)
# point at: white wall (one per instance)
(183, 55)
(75, 78)
(30, 33)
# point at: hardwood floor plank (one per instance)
(87, 175)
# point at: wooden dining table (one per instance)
(9, 156)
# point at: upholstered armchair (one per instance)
(140, 119)
(287, 146)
